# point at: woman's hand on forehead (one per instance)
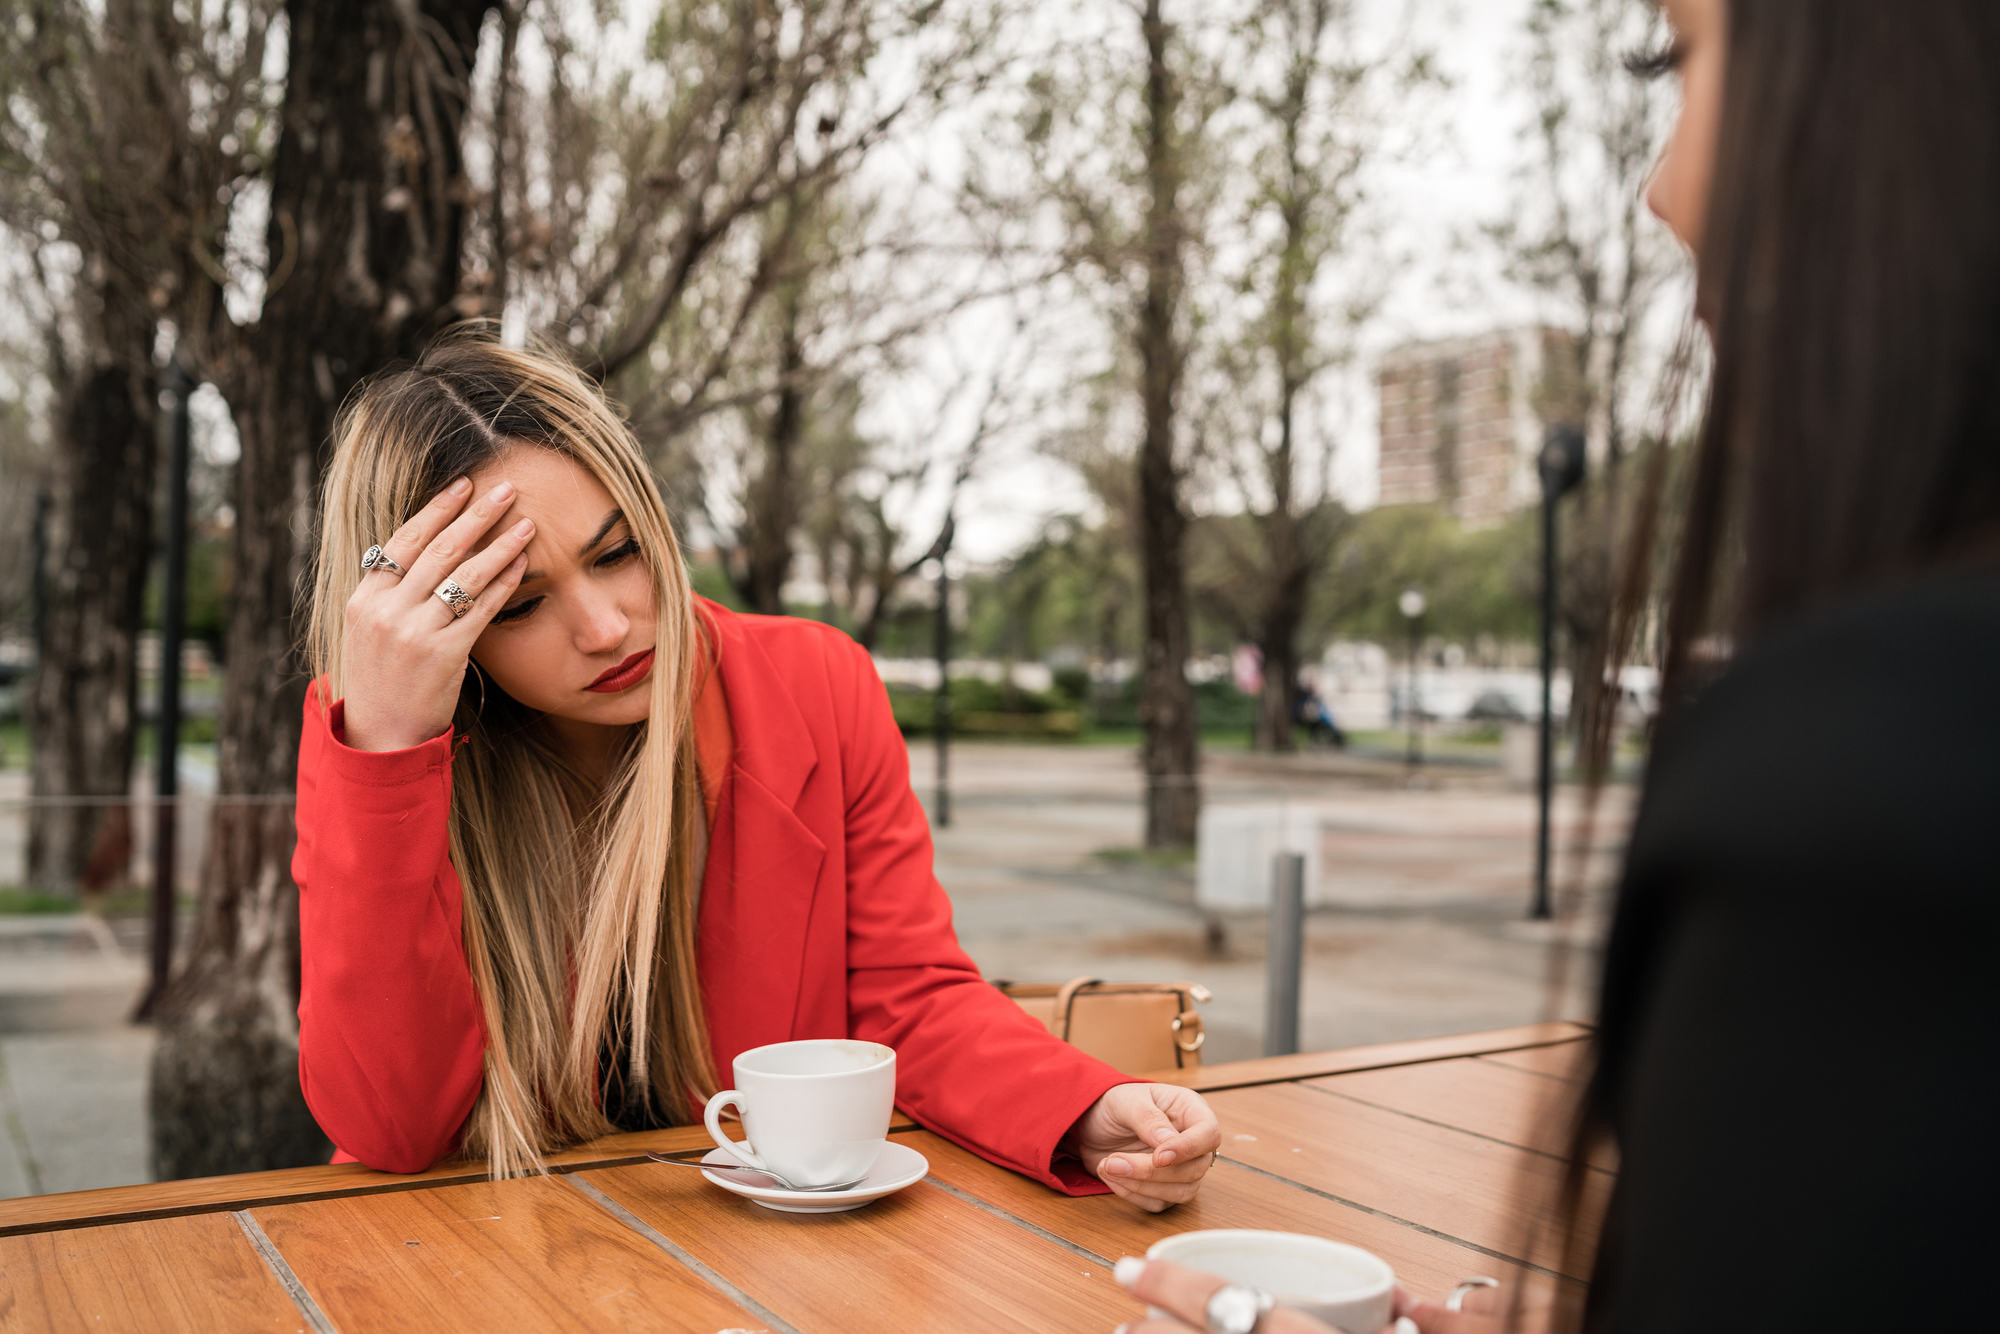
(406, 646)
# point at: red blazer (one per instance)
(820, 917)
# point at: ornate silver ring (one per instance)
(454, 597)
(1235, 1309)
(377, 559)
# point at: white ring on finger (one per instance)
(1465, 1286)
(455, 597)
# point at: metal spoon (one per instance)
(761, 1171)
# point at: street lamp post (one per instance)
(1412, 605)
(1561, 468)
(173, 617)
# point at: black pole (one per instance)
(1415, 756)
(941, 711)
(173, 617)
(1545, 743)
(1561, 469)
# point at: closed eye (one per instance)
(629, 547)
(1657, 63)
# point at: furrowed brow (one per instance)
(611, 520)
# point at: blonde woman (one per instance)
(570, 838)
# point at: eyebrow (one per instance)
(611, 520)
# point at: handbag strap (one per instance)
(1066, 997)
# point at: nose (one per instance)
(600, 625)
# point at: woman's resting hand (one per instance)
(404, 652)
(1185, 1292)
(1151, 1143)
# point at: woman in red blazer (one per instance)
(531, 913)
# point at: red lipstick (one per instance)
(625, 675)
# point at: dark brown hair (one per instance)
(1851, 265)
(1851, 277)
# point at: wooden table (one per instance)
(1423, 1152)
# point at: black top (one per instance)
(1798, 1046)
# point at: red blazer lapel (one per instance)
(764, 862)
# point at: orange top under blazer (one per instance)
(820, 918)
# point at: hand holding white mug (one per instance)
(405, 650)
(1187, 1292)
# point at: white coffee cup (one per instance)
(814, 1112)
(1336, 1284)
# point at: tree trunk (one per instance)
(84, 699)
(1166, 701)
(774, 501)
(367, 210)
(1290, 581)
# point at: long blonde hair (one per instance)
(565, 885)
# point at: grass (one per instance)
(1156, 859)
(130, 901)
(22, 902)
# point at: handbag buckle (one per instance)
(1184, 1022)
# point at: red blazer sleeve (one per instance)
(391, 1045)
(970, 1064)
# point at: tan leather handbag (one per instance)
(1134, 1027)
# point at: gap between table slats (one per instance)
(281, 1270)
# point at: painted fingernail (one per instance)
(1127, 1270)
(524, 528)
(459, 487)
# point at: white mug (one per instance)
(1336, 1284)
(814, 1112)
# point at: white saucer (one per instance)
(896, 1166)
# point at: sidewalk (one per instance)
(1428, 935)
(72, 1071)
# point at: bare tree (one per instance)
(367, 203)
(120, 128)
(1316, 129)
(1116, 138)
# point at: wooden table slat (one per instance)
(168, 1199)
(918, 1260)
(1563, 1061)
(1311, 1065)
(1500, 1102)
(525, 1254)
(1474, 1190)
(167, 1276)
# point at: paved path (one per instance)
(72, 1071)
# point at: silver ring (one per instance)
(1467, 1285)
(1235, 1309)
(377, 559)
(454, 597)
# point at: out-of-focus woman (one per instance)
(1797, 1055)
